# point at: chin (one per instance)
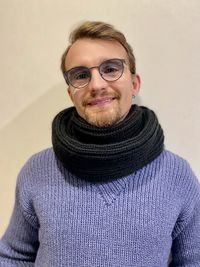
(103, 119)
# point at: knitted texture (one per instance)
(106, 153)
(60, 220)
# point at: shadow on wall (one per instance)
(31, 128)
(28, 133)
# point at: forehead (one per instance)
(91, 52)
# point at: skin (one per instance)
(101, 103)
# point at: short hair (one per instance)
(103, 31)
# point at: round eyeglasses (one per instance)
(110, 70)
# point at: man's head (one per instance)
(102, 91)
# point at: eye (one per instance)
(110, 67)
(78, 74)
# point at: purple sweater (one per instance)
(62, 221)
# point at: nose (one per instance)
(97, 83)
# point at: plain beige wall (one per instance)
(165, 36)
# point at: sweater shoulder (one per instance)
(186, 189)
(33, 175)
(171, 156)
(39, 165)
(179, 175)
(176, 165)
(41, 158)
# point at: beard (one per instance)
(103, 117)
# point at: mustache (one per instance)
(89, 99)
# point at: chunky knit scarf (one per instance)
(106, 153)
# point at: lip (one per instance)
(101, 101)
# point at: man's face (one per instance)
(101, 103)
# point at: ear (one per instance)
(136, 84)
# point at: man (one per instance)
(107, 193)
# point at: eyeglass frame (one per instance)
(65, 73)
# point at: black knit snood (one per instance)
(101, 154)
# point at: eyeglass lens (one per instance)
(110, 70)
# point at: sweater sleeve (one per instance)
(186, 234)
(19, 244)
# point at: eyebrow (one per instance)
(102, 60)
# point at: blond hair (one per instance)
(99, 30)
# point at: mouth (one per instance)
(103, 101)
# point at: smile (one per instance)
(101, 101)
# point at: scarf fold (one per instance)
(100, 154)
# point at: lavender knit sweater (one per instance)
(62, 221)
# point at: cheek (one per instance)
(76, 96)
(126, 90)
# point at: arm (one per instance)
(186, 246)
(19, 244)
(186, 234)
